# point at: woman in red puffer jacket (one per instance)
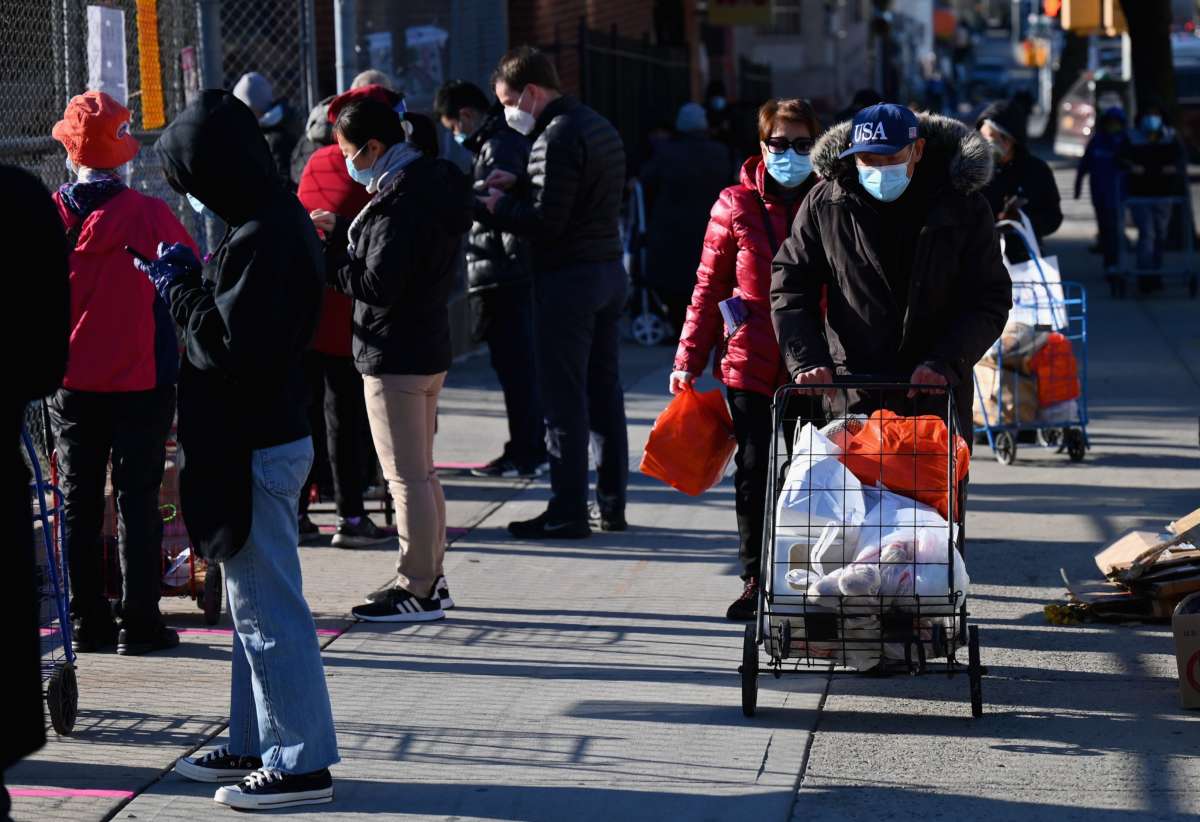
(749, 222)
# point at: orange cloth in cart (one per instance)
(908, 456)
(1056, 371)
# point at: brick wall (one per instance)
(544, 22)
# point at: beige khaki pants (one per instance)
(402, 409)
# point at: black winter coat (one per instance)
(281, 140)
(682, 181)
(27, 212)
(1029, 178)
(403, 266)
(495, 258)
(569, 206)
(246, 324)
(959, 292)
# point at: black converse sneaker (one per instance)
(218, 765)
(442, 589)
(269, 788)
(398, 605)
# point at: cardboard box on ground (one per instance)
(1186, 625)
(1146, 574)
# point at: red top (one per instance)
(326, 184)
(113, 343)
(736, 260)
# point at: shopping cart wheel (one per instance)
(62, 698)
(649, 329)
(1005, 448)
(1049, 437)
(749, 671)
(1076, 447)
(211, 603)
(975, 671)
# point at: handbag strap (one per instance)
(766, 215)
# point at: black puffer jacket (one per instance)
(495, 258)
(402, 270)
(245, 326)
(569, 206)
(959, 292)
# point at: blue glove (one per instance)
(174, 262)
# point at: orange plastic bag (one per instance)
(691, 442)
(1056, 371)
(907, 455)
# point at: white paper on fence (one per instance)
(818, 489)
(1064, 412)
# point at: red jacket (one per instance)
(119, 341)
(326, 184)
(736, 260)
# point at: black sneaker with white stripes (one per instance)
(442, 589)
(398, 605)
(218, 765)
(268, 788)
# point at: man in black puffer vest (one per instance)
(498, 279)
(568, 206)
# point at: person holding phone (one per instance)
(117, 400)
(749, 222)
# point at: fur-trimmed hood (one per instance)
(967, 156)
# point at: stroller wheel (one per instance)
(649, 329)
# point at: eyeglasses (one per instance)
(779, 145)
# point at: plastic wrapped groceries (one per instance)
(799, 579)
(818, 488)
(915, 568)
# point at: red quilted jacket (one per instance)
(736, 260)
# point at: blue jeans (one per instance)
(1153, 221)
(278, 706)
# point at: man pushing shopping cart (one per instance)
(899, 237)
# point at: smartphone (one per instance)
(131, 251)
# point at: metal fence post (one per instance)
(208, 24)
(345, 35)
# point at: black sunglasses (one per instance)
(779, 145)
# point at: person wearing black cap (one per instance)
(1022, 181)
(899, 238)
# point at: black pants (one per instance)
(131, 429)
(577, 311)
(504, 320)
(340, 407)
(753, 427)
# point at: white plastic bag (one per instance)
(913, 562)
(888, 511)
(799, 579)
(819, 491)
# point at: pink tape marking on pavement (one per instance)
(58, 793)
(453, 533)
(229, 631)
(458, 466)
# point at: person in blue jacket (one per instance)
(1101, 162)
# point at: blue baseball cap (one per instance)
(882, 129)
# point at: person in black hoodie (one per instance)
(899, 241)
(247, 318)
(28, 213)
(568, 203)
(397, 259)
(1022, 181)
(498, 281)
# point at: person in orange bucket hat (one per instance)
(117, 400)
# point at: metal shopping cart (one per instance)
(54, 621)
(1033, 381)
(1157, 215)
(862, 567)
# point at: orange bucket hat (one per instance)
(95, 131)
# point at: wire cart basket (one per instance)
(862, 562)
(54, 621)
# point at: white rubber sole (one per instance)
(234, 798)
(195, 773)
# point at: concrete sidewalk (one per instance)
(597, 680)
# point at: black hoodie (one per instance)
(246, 323)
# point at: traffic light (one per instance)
(1091, 16)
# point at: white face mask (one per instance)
(518, 119)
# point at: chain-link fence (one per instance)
(273, 38)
